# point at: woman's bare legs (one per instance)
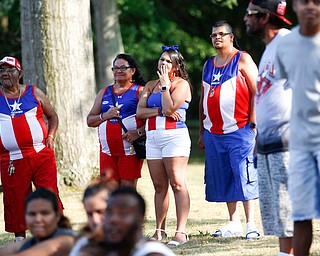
(161, 197)
(176, 168)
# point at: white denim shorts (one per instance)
(168, 143)
(304, 184)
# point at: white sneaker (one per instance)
(19, 238)
(233, 228)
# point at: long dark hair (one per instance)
(137, 77)
(179, 65)
(220, 23)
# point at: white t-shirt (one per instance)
(153, 247)
(272, 102)
(298, 59)
(81, 242)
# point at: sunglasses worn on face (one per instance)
(250, 13)
(9, 70)
(221, 34)
(122, 68)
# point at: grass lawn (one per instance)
(204, 218)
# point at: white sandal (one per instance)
(252, 231)
(231, 229)
(174, 243)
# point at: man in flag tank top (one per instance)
(227, 130)
(26, 144)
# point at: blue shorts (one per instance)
(304, 184)
(229, 172)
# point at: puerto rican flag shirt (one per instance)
(110, 131)
(25, 133)
(164, 122)
(226, 97)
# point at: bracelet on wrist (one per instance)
(101, 117)
(51, 136)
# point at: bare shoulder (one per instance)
(38, 91)
(180, 83)
(40, 95)
(245, 57)
(246, 61)
(101, 92)
(151, 84)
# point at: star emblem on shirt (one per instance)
(15, 106)
(216, 77)
(117, 105)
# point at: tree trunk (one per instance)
(109, 40)
(57, 56)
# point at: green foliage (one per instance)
(226, 3)
(5, 6)
(146, 25)
(10, 42)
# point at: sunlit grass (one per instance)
(204, 218)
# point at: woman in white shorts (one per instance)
(163, 104)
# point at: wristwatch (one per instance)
(164, 88)
(139, 133)
(252, 125)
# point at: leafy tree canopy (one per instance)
(146, 25)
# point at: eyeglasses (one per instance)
(250, 13)
(9, 70)
(122, 68)
(221, 34)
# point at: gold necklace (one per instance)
(215, 79)
(15, 105)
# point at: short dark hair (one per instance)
(131, 191)
(137, 77)
(220, 23)
(96, 187)
(46, 194)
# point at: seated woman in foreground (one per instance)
(44, 221)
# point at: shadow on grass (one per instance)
(202, 243)
(207, 245)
